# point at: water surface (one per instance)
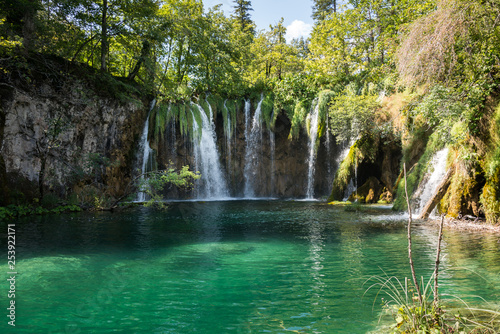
(227, 267)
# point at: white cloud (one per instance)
(298, 29)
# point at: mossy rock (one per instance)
(369, 192)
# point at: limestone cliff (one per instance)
(61, 133)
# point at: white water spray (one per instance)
(253, 147)
(313, 135)
(272, 148)
(145, 150)
(431, 180)
(207, 158)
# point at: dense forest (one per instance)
(415, 74)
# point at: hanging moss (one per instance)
(217, 103)
(255, 97)
(267, 111)
(299, 118)
(463, 194)
(161, 119)
(204, 104)
(345, 173)
(226, 116)
(363, 150)
(324, 99)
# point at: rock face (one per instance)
(281, 172)
(84, 139)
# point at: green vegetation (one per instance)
(16, 211)
(155, 182)
(423, 311)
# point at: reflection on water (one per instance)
(229, 267)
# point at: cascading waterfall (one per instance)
(207, 158)
(313, 135)
(173, 140)
(145, 151)
(253, 146)
(228, 132)
(272, 148)
(328, 152)
(247, 118)
(431, 180)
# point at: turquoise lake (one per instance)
(228, 267)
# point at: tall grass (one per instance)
(417, 310)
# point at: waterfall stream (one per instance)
(430, 182)
(207, 158)
(272, 144)
(228, 134)
(253, 148)
(313, 135)
(145, 152)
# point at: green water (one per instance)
(227, 267)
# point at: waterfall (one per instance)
(313, 135)
(145, 151)
(253, 146)
(272, 146)
(228, 133)
(207, 158)
(431, 180)
(328, 152)
(173, 140)
(247, 119)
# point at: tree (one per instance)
(158, 181)
(20, 16)
(241, 14)
(323, 8)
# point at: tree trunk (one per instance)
(438, 195)
(144, 53)
(29, 26)
(104, 36)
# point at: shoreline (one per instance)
(466, 225)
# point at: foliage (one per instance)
(344, 174)
(458, 41)
(299, 117)
(352, 115)
(441, 110)
(490, 197)
(267, 109)
(155, 182)
(323, 8)
(411, 315)
(16, 211)
(241, 14)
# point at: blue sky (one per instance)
(296, 14)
